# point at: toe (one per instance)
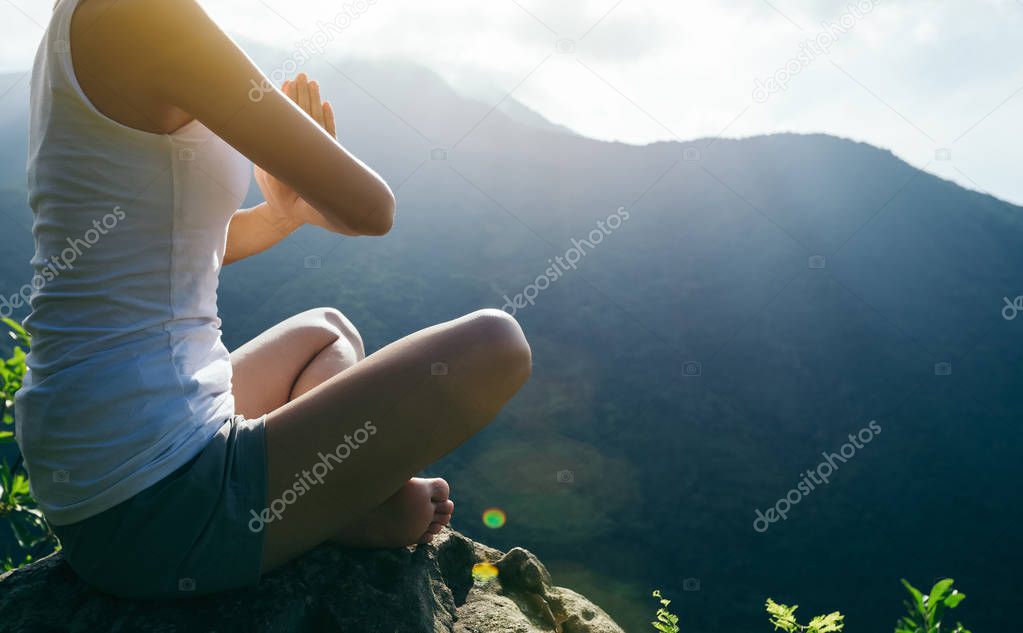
(435, 528)
(439, 490)
(445, 507)
(442, 519)
(426, 538)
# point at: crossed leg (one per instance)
(291, 358)
(309, 373)
(300, 353)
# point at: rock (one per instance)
(428, 589)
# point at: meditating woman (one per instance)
(164, 463)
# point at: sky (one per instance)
(939, 82)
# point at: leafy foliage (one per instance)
(667, 622)
(925, 612)
(18, 509)
(12, 372)
(784, 617)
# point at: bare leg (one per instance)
(291, 358)
(418, 416)
(298, 354)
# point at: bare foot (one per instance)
(414, 514)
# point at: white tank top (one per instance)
(127, 376)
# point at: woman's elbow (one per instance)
(362, 213)
(380, 219)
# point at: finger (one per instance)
(328, 119)
(290, 90)
(303, 91)
(315, 104)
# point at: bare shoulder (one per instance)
(152, 34)
(126, 53)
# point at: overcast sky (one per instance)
(938, 82)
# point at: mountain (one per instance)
(763, 299)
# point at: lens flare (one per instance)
(494, 518)
(484, 572)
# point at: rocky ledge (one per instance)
(429, 589)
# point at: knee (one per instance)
(495, 346)
(332, 323)
(500, 331)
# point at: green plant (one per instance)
(12, 372)
(784, 617)
(667, 622)
(925, 612)
(18, 509)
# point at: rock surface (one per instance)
(430, 589)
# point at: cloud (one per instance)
(910, 75)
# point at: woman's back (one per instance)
(128, 377)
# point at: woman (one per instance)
(164, 463)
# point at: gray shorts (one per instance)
(188, 533)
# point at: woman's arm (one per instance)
(191, 64)
(253, 231)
